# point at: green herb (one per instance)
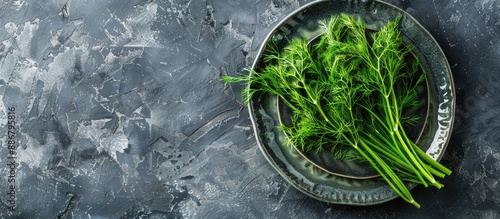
(350, 91)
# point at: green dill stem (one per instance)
(388, 109)
(403, 141)
(392, 121)
(392, 179)
(315, 102)
(387, 173)
(411, 156)
(428, 159)
(396, 158)
(415, 159)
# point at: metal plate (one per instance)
(314, 181)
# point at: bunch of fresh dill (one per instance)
(349, 91)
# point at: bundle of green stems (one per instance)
(349, 90)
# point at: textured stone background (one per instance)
(121, 112)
